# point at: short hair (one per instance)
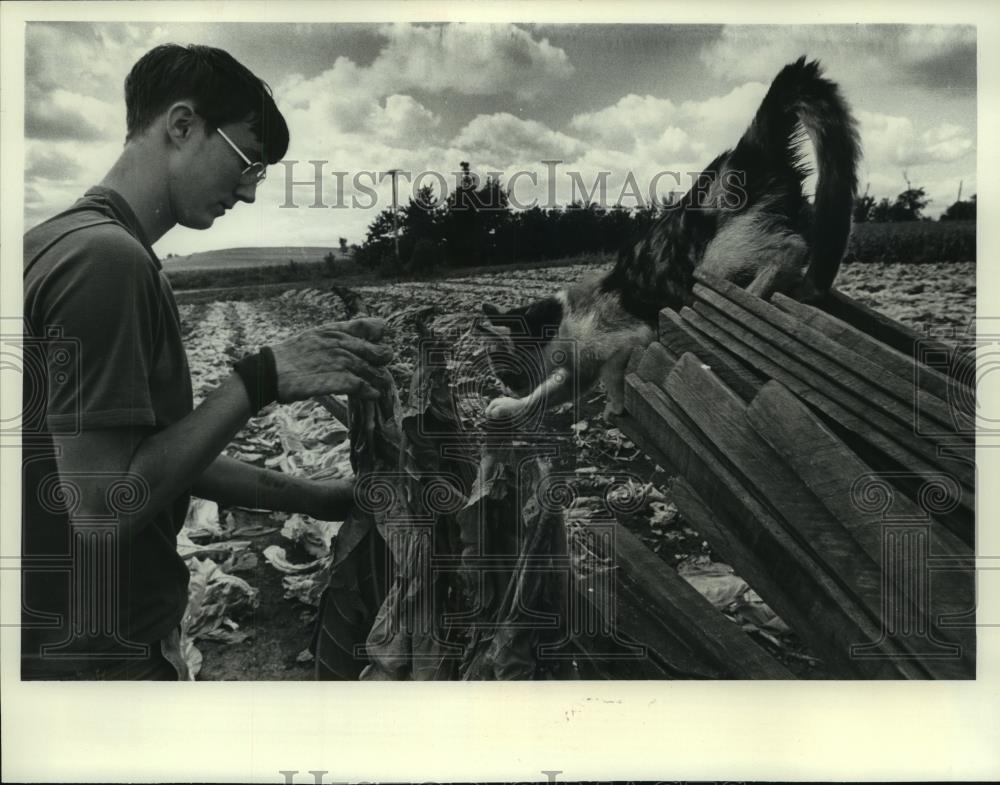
(222, 90)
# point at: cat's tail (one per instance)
(799, 97)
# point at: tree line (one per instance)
(475, 224)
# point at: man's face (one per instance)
(207, 179)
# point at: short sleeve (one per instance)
(101, 310)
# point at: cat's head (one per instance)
(515, 341)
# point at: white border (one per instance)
(477, 732)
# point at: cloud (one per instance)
(50, 164)
(895, 141)
(503, 138)
(468, 59)
(401, 120)
(631, 119)
(947, 142)
(347, 98)
(926, 55)
(57, 172)
(663, 132)
(939, 56)
(730, 113)
(61, 114)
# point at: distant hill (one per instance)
(235, 258)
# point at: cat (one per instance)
(745, 219)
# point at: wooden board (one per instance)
(722, 418)
(678, 605)
(656, 363)
(887, 398)
(928, 379)
(847, 409)
(810, 601)
(680, 338)
(831, 472)
(898, 396)
(888, 331)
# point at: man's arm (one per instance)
(164, 464)
(167, 463)
(234, 483)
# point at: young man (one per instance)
(113, 447)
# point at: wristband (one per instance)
(259, 375)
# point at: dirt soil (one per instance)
(937, 298)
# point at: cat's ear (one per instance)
(490, 310)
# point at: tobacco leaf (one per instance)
(436, 495)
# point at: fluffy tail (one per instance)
(800, 96)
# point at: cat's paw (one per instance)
(504, 408)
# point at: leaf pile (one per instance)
(216, 597)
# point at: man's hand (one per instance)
(340, 357)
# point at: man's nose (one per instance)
(247, 192)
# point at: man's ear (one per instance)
(181, 120)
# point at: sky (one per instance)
(627, 100)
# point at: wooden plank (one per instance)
(656, 362)
(722, 418)
(633, 626)
(841, 407)
(884, 329)
(654, 607)
(681, 338)
(831, 369)
(634, 358)
(680, 606)
(830, 469)
(899, 397)
(810, 601)
(728, 547)
(882, 453)
(892, 360)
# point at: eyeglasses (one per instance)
(254, 172)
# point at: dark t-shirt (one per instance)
(102, 349)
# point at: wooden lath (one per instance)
(771, 414)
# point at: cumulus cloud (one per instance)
(347, 99)
(503, 138)
(401, 120)
(731, 113)
(663, 132)
(631, 119)
(469, 59)
(894, 140)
